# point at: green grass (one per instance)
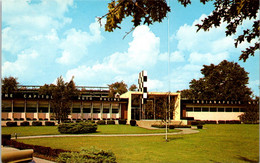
(217, 143)
(102, 129)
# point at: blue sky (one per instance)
(44, 39)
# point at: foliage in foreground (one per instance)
(77, 128)
(87, 155)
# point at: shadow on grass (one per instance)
(173, 138)
(246, 159)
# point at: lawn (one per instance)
(216, 143)
(102, 129)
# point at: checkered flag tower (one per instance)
(142, 81)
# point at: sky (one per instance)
(45, 39)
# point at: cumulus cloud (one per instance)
(176, 56)
(142, 53)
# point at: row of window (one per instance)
(46, 110)
(202, 109)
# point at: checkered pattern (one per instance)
(142, 81)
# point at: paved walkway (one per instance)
(182, 132)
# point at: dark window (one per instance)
(197, 109)
(96, 110)
(145, 89)
(205, 109)
(145, 78)
(105, 110)
(189, 109)
(115, 110)
(235, 109)
(18, 109)
(76, 110)
(242, 109)
(6, 109)
(43, 110)
(86, 110)
(31, 109)
(221, 110)
(213, 109)
(228, 109)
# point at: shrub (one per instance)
(163, 126)
(101, 122)
(67, 121)
(24, 123)
(11, 124)
(36, 123)
(132, 122)
(210, 122)
(77, 128)
(195, 123)
(221, 122)
(48, 123)
(87, 155)
(111, 122)
(182, 126)
(122, 121)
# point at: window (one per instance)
(96, 110)
(43, 110)
(205, 109)
(18, 109)
(235, 109)
(145, 78)
(189, 109)
(228, 109)
(197, 109)
(213, 109)
(75, 110)
(221, 109)
(105, 110)
(31, 109)
(6, 109)
(115, 110)
(86, 110)
(242, 110)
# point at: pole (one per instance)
(169, 81)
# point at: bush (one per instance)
(221, 122)
(133, 122)
(111, 122)
(77, 128)
(48, 123)
(87, 155)
(36, 123)
(195, 123)
(210, 122)
(11, 124)
(182, 126)
(25, 123)
(122, 121)
(101, 122)
(163, 126)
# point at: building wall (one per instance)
(214, 115)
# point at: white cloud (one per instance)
(174, 57)
(142, 53)
(76, 43)
(208, 58)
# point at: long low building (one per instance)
(96, 105)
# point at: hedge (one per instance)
(133, 122)
(163, 126)
(47, 151)
(48, 123)
(25, 123)
(221, 122)
(110, 122)
(122, 121)
(11, 124)
(88, 155)
(77, 128)
(101, 122)
(36, 123)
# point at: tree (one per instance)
(133, 87)
(62, 95)
(225, 81)
(9, 85)
(117, 87)
(150, 11)
(251, 114)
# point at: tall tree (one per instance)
(9, 85)
(62, 95)
(117, 87)
(226, 11)
(133, 87)
(225, 81)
